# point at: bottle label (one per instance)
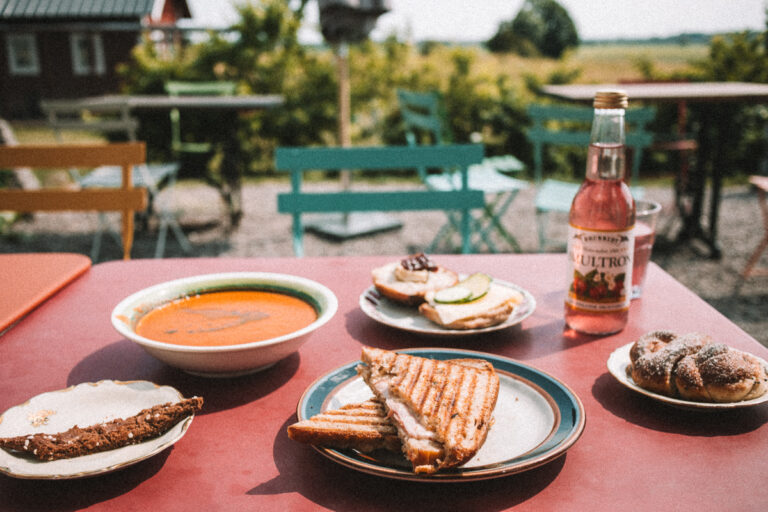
(600, 264)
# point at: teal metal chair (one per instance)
(424, 119)
(179, 143)
(461, 199)
(566, 125)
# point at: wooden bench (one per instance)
(126, 199)
(366, 159)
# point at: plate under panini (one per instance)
(83, 405)
(537, 418)
(407, 318)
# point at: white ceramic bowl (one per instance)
(229, 360)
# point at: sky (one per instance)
(477, 20)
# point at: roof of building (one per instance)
(61, 9)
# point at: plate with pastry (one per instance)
(472, 304)
(92, 428)
(388, 415)
(691, 371)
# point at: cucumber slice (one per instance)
(453, 295)
(478, 284)
(471, 288)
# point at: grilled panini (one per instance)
(363, 426)
(442, 409)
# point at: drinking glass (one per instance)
(646, 216)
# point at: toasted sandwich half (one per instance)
(363, 426)
(442, 409)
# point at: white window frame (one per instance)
(15, 66)
(82, 65)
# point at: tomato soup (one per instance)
(226, 318)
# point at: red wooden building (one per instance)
(70, 48)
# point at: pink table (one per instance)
(634, 453)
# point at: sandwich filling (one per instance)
(497, 296)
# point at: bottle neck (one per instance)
(606, 159)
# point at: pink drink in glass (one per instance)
(644, 235)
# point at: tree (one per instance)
(541, 25)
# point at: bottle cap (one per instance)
(611, 99)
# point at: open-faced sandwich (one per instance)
(437, 413)
(408, 280)
(473, 303)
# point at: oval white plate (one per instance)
(619, 362)
(537, 418)
(84, 405)
(408, 318)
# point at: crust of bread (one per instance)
(407, 292)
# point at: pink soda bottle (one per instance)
(600, 232)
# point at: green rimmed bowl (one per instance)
(228, 360)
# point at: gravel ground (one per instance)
(263, 232)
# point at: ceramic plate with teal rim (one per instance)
(407, 318)
(537, 419)
(86, 404)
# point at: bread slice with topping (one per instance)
(408, 280)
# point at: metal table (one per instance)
(231, 186)
(634, 453)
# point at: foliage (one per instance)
(540, 27)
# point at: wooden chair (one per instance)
(367, 159)
(761, 185)
(559, 125)
(66, 115)
(425, 122)
(126, 199)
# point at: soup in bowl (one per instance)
(225, 324)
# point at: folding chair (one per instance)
(179, 143)
(382, 158)
(423, 116)
(559, 125)
(761, 184)
(126, 198)
(65, 115)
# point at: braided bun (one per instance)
(692, 367)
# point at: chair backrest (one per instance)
(567, 125)
(125, 199)
(63, 115)
(178, 88)
(423, 115)
(366, 159)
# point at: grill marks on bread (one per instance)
(454, 399)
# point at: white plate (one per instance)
(84, 405)
(619, 364)
(396, 315)
(537, 419)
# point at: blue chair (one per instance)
(424, 118)
(461, 199)
(566, 125)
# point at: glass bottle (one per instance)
(601, 221)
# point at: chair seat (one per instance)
(557, 196)
(110, 176)
(481, 177)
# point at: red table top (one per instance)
(29, 279)
(634, 452)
